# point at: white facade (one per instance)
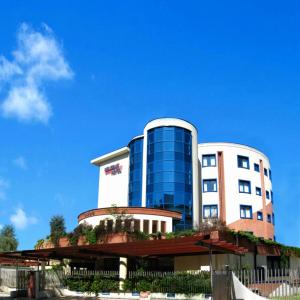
(233, 197)
(113, 185)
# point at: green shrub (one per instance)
(183, 283)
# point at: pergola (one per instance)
(197, 244)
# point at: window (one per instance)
(246, 212)
(137, 225)
(209, 160)
(163, 226)
(256, 167)
(210, 211)
(258, 191)
(266, 172)
(243, 162)
(260, 216)
(109, 225)
(244, 186)
(269, 218)
(273, 218)
(272, 196)
(154, 226)
(169, 182)
(270, 174)
(209, 185)
(267, 194)
(146, 226)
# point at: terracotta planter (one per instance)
(63, 242)
(47, 245)
(118, 237)
(82, 241)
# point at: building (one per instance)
(164, 181)
(168, 181)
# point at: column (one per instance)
(122, 271)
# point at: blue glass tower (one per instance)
(135, 172)
(169, 172)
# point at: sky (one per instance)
(80, 79)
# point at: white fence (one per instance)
(272, 283)
(8, 277)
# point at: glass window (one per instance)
(270, 174)
(135, 172)
(267, 194)
(246, 212)
(209, 160)
(137, 225)
(244, 186)
(163, 226)
(259, 216)
(266, 172)
(243, 162)
(210, 211)
(169, 172)
(258, 191)
(269, 218)
(146, 226)
(256, 167)
(272, 196)
(154, 226)
(209, 185)
(273, 218)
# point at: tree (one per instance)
(57, 229)
(8, 241)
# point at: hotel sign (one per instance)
(113, 169)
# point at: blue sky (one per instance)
(78, 80)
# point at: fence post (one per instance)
(37, 281)
(211, 270)
(17, 283)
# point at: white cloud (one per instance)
(4, 185)
(20, 219)
(8, 69)
(20, 162)
(38, 58)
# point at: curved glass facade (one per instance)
(135, 172)
(169, 172)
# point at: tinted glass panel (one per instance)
(135, 172)
(169, 172)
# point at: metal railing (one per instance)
(272, 283)
(193, 282)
